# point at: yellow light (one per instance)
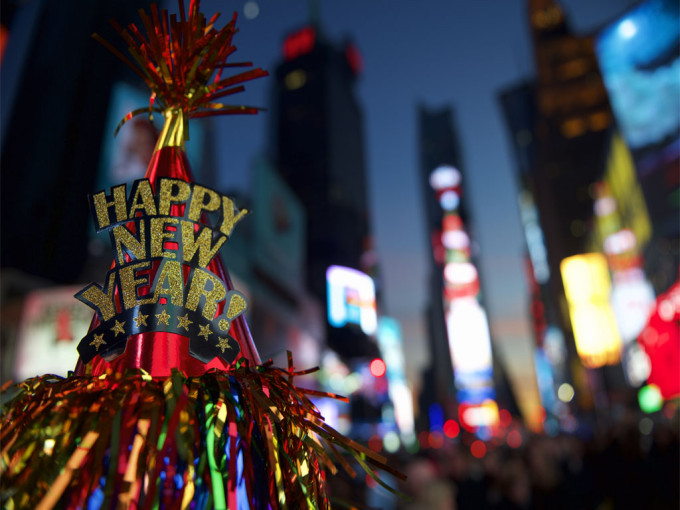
(625, 187)
(587, 286)
(565, 392)
(295, 79)
(573, 127)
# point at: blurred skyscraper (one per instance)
(562, 130)
(460, 378)
(318, 149)
(56, 86)
(438, 145)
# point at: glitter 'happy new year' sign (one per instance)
(163, 234)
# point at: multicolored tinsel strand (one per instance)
(246, 438)
(181, 61)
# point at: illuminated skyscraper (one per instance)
(438, 146)
(460, 343)
(560, 127)
(571, 127)
(318, 147)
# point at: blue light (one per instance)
(436, 415)
(484, 433)
(95, 501)
(179, 481)
(627, 29)
(449, 200)
(475, 395)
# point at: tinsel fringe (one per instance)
(246, 438)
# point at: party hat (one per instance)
(148, 313)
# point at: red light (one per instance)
(505, 417)
(299, 43)
(452, 222)
(377, 367)
(436, 440)
(370, 482)
(451, 428)
(478, 449)
(514, 439)
(537, 308)
(375, 443)
(354, 59)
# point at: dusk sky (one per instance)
(438, 53)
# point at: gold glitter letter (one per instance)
(101, 204)
(197, 288)
(101, 300)
(199, 204)
(142, 189)
(170, 271)
(125, 241)
(129, 284)
(201, 243)
(172, 191)
(159, 236)
(229, 218)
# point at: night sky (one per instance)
(437, 53)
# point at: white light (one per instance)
(637, 366)
(627, 29)
(329, 410)
(449, 200)
(604, 206)
(565, 392)
(480, 416)
(251, 10)
(467, 329)
(444, 176)
(632, 299)
(402, 399)
(391, 442)
(455, 240)
(460, 273)
(619, 242)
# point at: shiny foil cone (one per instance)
(158, 353)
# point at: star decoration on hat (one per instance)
(163, 318)
(141, 319)
(205, 331)
(99, 341)
(118, 328)
(223, 343)
(184, 322)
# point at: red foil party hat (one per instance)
(168, 302)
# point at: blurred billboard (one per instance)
(587, 287)
(52, 323)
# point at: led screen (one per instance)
(351, 299)
(639, 59)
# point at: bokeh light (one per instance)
(565, 392)
(478, 449)
(451, 428)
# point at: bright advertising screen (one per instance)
(52, 324)
(391, 349)
(587, 287)
(351, 299)
(640, 63)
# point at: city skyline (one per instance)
(456, 63)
